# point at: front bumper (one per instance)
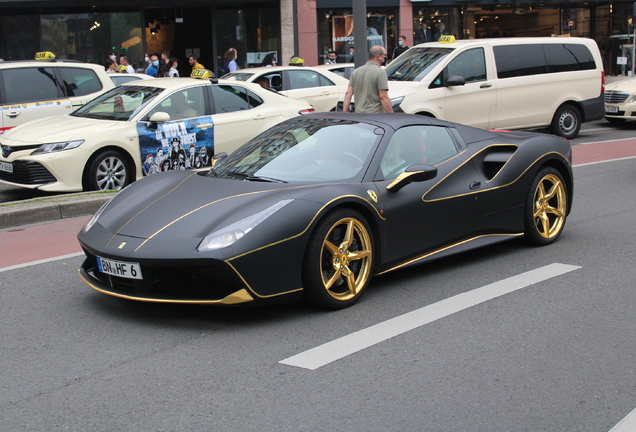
(177, 281)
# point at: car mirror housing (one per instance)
(160, 117)
(413, 173)
(455, 80)
(218, 158)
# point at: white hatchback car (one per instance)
(33, 89)
(321, 88)
(138, 129)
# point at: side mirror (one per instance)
(159, 117)
(455, 80)
(218, 158)
(414, 173)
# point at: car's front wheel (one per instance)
(566, 122)
(546, 207)
(109, 171)
(338, 263)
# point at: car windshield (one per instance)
(121, 103)
(306, 150)
(237, 76)
(416, 63)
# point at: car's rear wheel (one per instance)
(338, 263)
(109, 171)
(546, 207)
(566, 122)
(615, 121)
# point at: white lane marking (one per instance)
(17, 266)
(354, 342)
(628, 424)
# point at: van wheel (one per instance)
(109, 171)
(615, 121)
(566, 122)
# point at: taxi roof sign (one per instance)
(446, 39)
(202, 74)
(45, 55)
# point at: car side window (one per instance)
(275, 80)
(183, 104)
(303, 79)
(470, 64)
(228, 98)
(415, 145)
(79, 82)
(30, 85)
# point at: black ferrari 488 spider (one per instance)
(317, 205)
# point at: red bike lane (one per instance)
(23, 245)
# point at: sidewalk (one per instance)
(38, 210)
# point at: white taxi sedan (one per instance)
(139, 129)
(620, 101)
(321, 88)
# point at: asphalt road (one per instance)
(555, 353)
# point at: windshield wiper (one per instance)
(251, 177)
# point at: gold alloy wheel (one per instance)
(346, 258)
(549, 209)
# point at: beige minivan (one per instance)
(508, 83)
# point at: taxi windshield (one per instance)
(121, 103)
(416, 63)
(307, 150)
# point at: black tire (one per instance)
(109, 170)
(338, 262)
(566, 122)
(615, 121)
(546, 207)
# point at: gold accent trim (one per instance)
(238, 297)
(445, 248)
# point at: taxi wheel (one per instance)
(338, 262)
(109, 170)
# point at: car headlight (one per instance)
(96, 216)
(232, 233)
(397, 101)
(56, 147)
(632, 99)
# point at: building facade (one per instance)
(305, 28)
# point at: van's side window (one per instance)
(470, 64)
(29, 85)
(568, 57)
(519, 60)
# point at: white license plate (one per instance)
(6, 167)
(119, 268)
(611, 109)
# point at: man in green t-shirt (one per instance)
(370, 85)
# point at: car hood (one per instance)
(184, 204)
(403, 88)
(57, 129)
(626, 85)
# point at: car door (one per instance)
(239, 115)
(186, 140)
(313, 87)
(30, 93)
(426, 216)
(475, 102)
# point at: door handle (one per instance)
(485, 85)
(13, 114)
(204, 125)
(259, 117)
(475, 185)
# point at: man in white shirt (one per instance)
(123, 60)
